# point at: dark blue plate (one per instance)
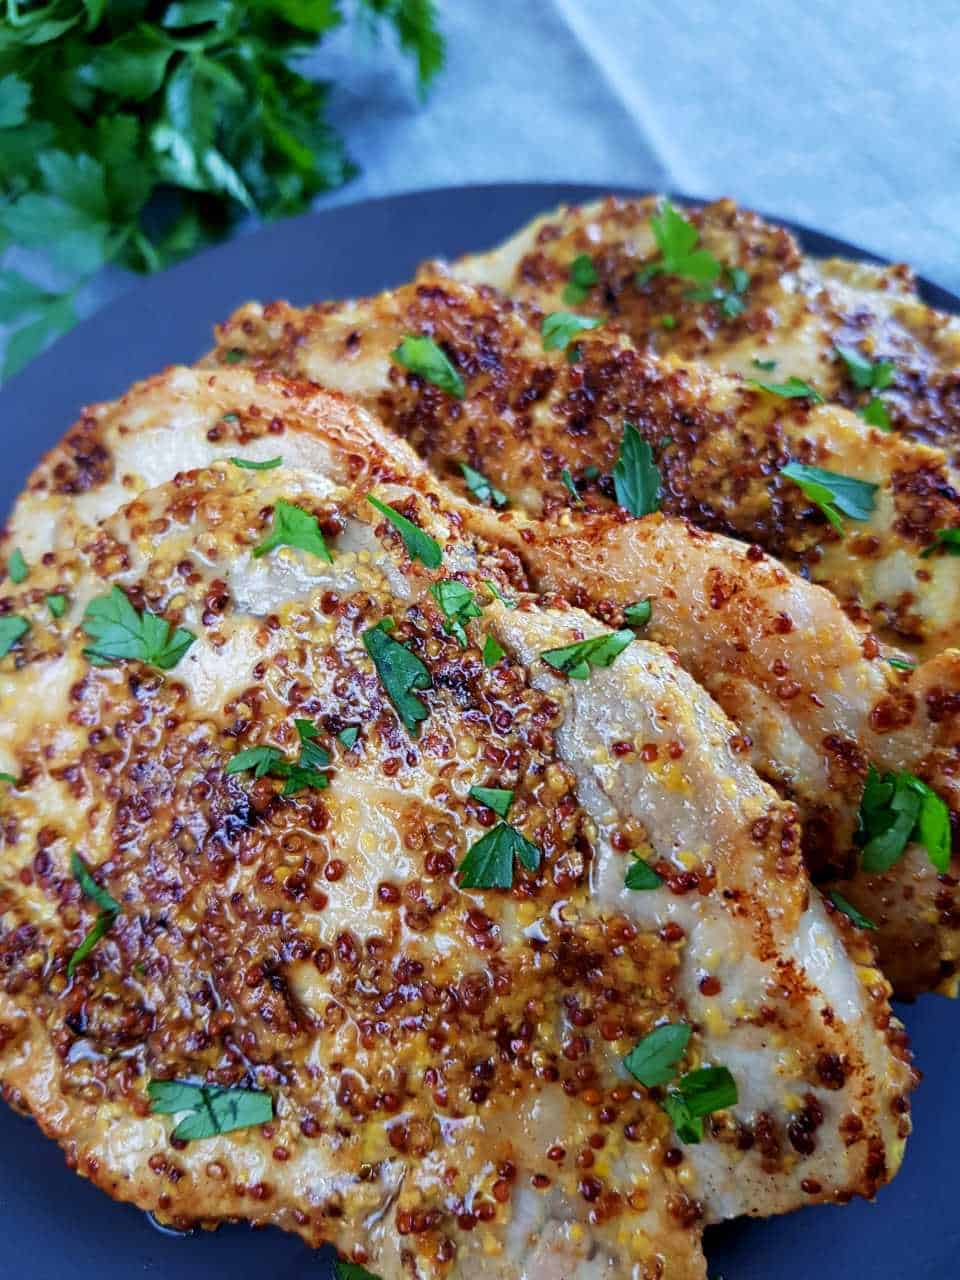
(55, 1225)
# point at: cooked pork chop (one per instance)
(352, 1042)
(795, 310)
(815, 700)
(529, 414)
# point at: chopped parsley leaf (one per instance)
(498, 595)
(349, 736)
(654, 1059)
(866, 374)
(260, 759)
(400, 672)
(792, 389)
(109, 910)
(875, 414)
(833, 493)
(895, 809)
(642, 876)
(698, 1094)
(495, 798)
(457, 604)
(12, 627)
(559, 328)
(576, 660)
(119, 633)
(731, 298)
(492, 652)
(677, 239)
(767, 365)
(235, 355)
(267, 761)
(668, 322)
(639, 614)
(489, 861)
(17, 566)
(213, 1109)
(636, 478)
(8, 777)
(350, 1271)
(901, 664)
(420, 546)
(294, 527)
(849, 910)
(57, 604)
(481, 488)
(429, 361)
(946, 539)
(247, 464)
(571, 488)
(582, 277)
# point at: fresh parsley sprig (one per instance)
(677, 239)
(481, 488)
(654, 1061)
(943, 540)
(103, 106)
(428, 360)
(577, 660)
(293, 527)
(266, 761)
(458, 605)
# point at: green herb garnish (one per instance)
(897, 808)
(668, 322)
(57, 604)
(559, 328)
(213, 1109)
(582, 278)
(833, 493)
(429, 361)
(571, 488)
(212, 107)
(400, 672)
(109, 910)
(247, 464)
(642, 876)
(636, 478)
(489, 862)
(119, 633)
(266, 761)
(901, 664)
(349, 736)
(866, 375)
(492, 652)
(875, 414)
(576, 660)
(698, 1094)
(767, 365)
(792, 389)
(639, 614)
(12, 628)
(654, 1060)
(947, 539)
(730, 297)
(350, 1271)
(293, 527)
(420, 546)
(849, 910)
(481, 488)
(457, 604)
(17, 566)
(498, 595)
(677, 239)
(495, 798)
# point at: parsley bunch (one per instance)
(103, 105)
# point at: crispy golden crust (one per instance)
(797, 310)
(319, 946)
(720, 444)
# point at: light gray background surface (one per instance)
(843, 116)
(840, 115)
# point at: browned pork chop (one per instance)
(440, 1061)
